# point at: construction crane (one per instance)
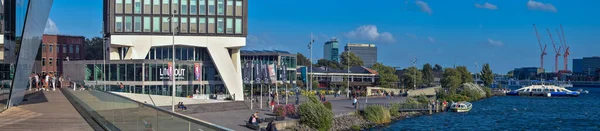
(542, 49)
(567, 53)
(555, 50)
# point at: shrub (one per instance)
(280, 110)
(313, 98)
(488, 91)
(290, 109)
(377, 114)
(328, 105)
(315, 115)
(422, 99)
(395, 110)
(411, 100)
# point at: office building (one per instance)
(366, 52)
(528, 73)
(586, 65)
(58, 48)
(360, 77)
(274, 58)
(331, 50)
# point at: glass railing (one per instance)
(114, 112)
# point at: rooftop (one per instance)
(360, 45)
(264, 52)
(355, 70)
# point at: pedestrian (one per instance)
(46, 81)
(355, 102)
(37, 82)
(60, 81)
(272, 104)
(121, 86)
(53, 82)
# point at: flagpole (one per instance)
(276, 81)
(261, 87)
(251, 85)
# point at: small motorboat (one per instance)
(461, 106)
(543, 90)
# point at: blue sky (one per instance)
(445, 32)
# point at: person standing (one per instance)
(60, 81)
(37, 81)
(46, 81)
(121, 86)
(53, 82)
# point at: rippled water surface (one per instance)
(515, 113)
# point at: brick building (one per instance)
(59, 48)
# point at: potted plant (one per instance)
(280, 112)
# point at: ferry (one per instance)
(543, 90)
(461, 106)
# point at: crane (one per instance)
(542, 49)
(555, 50)
(567, 53)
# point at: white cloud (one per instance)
(487, 5)
(424, 6)
(51, 27)
(370, 32)
(431, 39)
(534, 5)
(494, 43)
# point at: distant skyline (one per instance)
(498, 32)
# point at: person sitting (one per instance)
(181, 106)
(253, 121)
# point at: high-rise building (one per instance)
(366, 52)
(586, 65)
(331, 50)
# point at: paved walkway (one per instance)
(44, 111)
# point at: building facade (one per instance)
(586, 65)
(529, 73)
(58, 48)
(327, 78)
(366, 52)
(331, 50)
(272, 58)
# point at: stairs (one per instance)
(213, 107)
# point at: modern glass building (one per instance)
(366, 52)
(331, 50)
(586, 65)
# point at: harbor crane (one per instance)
(555, 50)
(567, 52)
(542, 49)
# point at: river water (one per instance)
(515, 113)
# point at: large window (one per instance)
(77, 49)
(202, 8)
(119, 6)
(202, 25)
(175, 25)
(184, 6)
(165, 7)
(137, 6)
(165, 24)
(156, 7)
(64, 49)
(238, 8)
(220, 7)
(118, 24)
(193, 25)
(128, 6)
(220, 24)
(50, 49)
(155, 24)
(211, 7)
(71, 49)
(128, 23)
(43, 47)
(43, 61)
(193, 7)
(229, 27)
(137, 26)
(147, 23)
(50, 61)
(147, 7)
(211, 25)
(229, 8)
(184, 25)
(175, 6)
(238, 26)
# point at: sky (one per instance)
(458, 32)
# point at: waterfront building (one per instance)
(328, 78)
(272, 57)
(586, 65)
(531, 73)
(366, 52)
(331, 50)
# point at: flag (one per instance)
(198, 71)
(283, 72)
(265, 73)
(246, 72)
(256, 72)
(272, 75)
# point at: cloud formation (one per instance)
(494, 42)
(487, 5)
(51, 27)
(431, 39)
(370, 33)
(424, 6)
(534, 5)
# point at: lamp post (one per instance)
(309, 85)
(173, 61)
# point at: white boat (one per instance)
(461, 106)
(543, 90)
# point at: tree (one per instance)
(94, 48)
(466, 76)
(315, 84)
(487, 75)
(302, 60)
(438, 68)
(410, 76)
(427, 74)
(329, 63)
(350, 58)
(452, 80)
(387, 76)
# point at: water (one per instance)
(515, 113)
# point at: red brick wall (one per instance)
(57, 42)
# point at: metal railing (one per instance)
(115, 112)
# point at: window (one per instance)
(119, 7)
(64, 49)
(50, 61)
(118, 24)
(202, 8)
(77, 49)
(238, 26)
(229, 27)
(155, 24)
(137, 26)
(71, 49)
(165, 7)
(220, 24)
(238, 8)
(43, 61)
(137, 6)
(43, 47)
(202, 25)
(184, 7)
(211, 7)
(147, 7)
(175, 25)
(147, 24)
(165, 24)
(156, 7)
(229, 8)
(183, 28)
(211, 25)
(193, 25)
(128, 6)
(50, 48)
(220, 7)
(174, 6)
(193, 7)
(128, 23)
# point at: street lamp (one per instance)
(309, 85)
(173, 61)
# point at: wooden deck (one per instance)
(48, 110)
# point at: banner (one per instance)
(272, 75)
(265, 72)
(198, 71)
(257, 76)
(246, 72)
(284, 74)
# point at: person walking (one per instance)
(46, 81)
(53, 82)
(37, 81)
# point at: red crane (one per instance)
(542, 49)
(555, 50)
(567, 53)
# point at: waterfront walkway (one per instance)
(48, 110)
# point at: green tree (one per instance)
(410, 76)
(487, 75)
(329, 63)
(94, 48)
(466, 76)
(427, 74)
(350, 58)
(315, 84)
(452, 80)
(387, 76)
(437, 68)
(302, 60)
